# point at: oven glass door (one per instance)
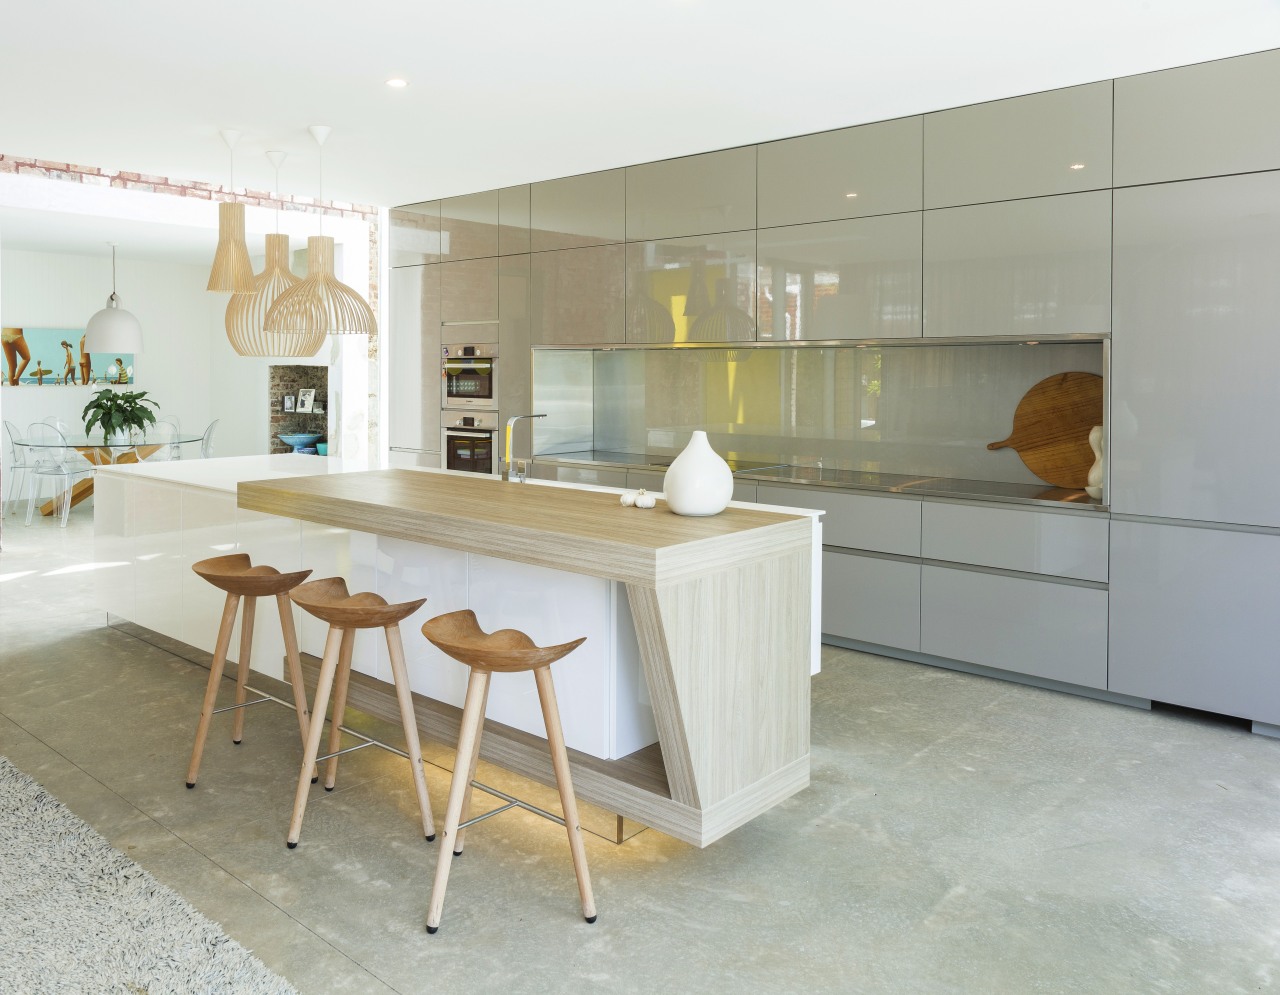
(468, 379)
(469, 451)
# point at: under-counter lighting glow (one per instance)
(396, 83)
(1077, 165)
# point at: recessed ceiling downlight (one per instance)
(396, 83)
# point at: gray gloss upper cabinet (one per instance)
(513, 220)
(1206, 120)
(1195, 350)
(469, 293)
(469, 225)
(413, 359)
(840, 279)
(692, 289)
(695, 195)
(851, 173)
(1028, 268)
(576, 295)
(1043, 143)
(575, 211)
(415, 234)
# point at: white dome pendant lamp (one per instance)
(113, 329)
(321, 303)
(232, 272)
(247, 313)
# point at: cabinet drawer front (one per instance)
(1015, 539)
(872, 600)
(1036, 627)
(856, 521)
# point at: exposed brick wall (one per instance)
(282, 380)
(70, 173)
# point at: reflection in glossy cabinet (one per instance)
(695, 195)
(413, 359)
(415, 234)
(513, 220)
(692, 289)
(1012, 538)
(589, 209)
(576, 295)
(469, 291)
(857, 521)
(841, 279)
(514, 373)
(1043, 143)
(850, 173)
(1196, 350)
(871, 599)
(470, 225)
(1194, 618)
(1037, 627)
(1204, 120)
(1029, 268)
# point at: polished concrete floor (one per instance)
(960, 835)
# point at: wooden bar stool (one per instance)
(237, 575)
(329, 601)
(506, 651)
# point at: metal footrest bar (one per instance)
(349, 749)
(245, 704)
(512, 802)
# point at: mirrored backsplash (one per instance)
(925, 410)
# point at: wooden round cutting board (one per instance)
(1051, 428)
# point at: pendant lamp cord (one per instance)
(113, 271)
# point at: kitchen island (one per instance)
(709, 645)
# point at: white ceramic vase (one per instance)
(1099, 469)
(698, 481)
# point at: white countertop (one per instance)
(224, 473)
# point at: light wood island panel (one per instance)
(721, 607)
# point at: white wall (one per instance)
(186, 364)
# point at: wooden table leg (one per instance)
(82, 490)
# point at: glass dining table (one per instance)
(99, 454)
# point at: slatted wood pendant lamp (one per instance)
(247, 313)
(321, 304)
(232, 272)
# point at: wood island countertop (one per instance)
(580, 531)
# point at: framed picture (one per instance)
(287, 402)
(306, 399)
(45, 357)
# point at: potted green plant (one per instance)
(117, 412)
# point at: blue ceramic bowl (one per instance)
(300, 439)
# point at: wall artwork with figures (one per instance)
(49, 357)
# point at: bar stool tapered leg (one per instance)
(460, 838)
(211, 688)
(324, 685)
(468, 747)
(409, 719)
(293, 661)
(341, 683)
(242, 670)
(560, 761)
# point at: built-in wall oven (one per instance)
(468, 440)
(470, 376)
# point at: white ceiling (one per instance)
(508, 92)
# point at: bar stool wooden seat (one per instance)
(506, 651)
(329, 601)
(237, 575)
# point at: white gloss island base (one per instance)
(730, 694)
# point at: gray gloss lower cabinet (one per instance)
(576, 474)
(1194, 619)
(871, 599)
(1028, 626)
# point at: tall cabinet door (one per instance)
(414, 359)
(1195, 350)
